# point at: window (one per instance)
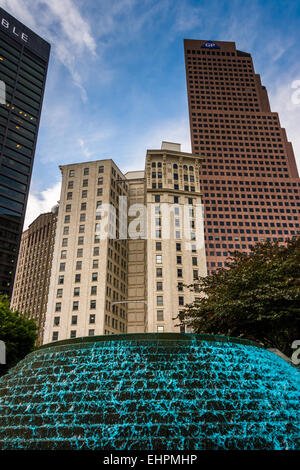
(56, 321)
(66, 230)
(176, 199)
(84, 193)
(93, 304)
(82, 217)
(76, 291)
(158, 272)
(178, 259)
(101, 169)
(158, 246)
(160, 315)
(178, 246)
(160, 329)
(59, 293)
(93, 290)
(69, 195)
(62, 266)
(91, 332)
(68, 207)
(77, 277)
(74, 320)
(159, 286)
(75, 305)
(78, 264)
(194, 261)
(86, 171)
(179, 272)
(67, 219)
(157, 198)
(63, 254)
(92, 318)
(99, 192)
(83, 206)
(70, 184)
(180, 286)
(158, 259)
(159, 300)
(95, 263)
(58, 307)
(64, 242)
(73, 334)
(81, 228)
(60, 279)
(195, 274)
(80, 240)
(96, 250)
(94, 276)
(55, 336)
(79, 252)
(72, 173)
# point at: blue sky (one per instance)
(116, 80)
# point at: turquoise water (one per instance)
(147, 393)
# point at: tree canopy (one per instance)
(18, 333)
(256, 296)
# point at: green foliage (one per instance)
(256, 296)
(18, 332)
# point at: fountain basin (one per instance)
(148, 391)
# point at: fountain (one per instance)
(148, 391)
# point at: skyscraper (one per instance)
(133, 282)
(31, 286)
(249, 177)
(23, 67)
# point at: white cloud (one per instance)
(281, 100)
(76, 29)
(84, 148)
(40, 203)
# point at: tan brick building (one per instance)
(133, 283)
(31, 287)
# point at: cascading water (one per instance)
(149, 391)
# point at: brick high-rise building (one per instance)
(31, 287)
(249, 177)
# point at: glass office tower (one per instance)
(24, 59)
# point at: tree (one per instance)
(18, 333)
(256, 296)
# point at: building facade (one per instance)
(125, 246)
(23, 68)
(248, 175)
(31, 287)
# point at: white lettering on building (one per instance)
(14, 30)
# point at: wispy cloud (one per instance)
(41, 202)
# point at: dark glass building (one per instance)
(24, 59)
